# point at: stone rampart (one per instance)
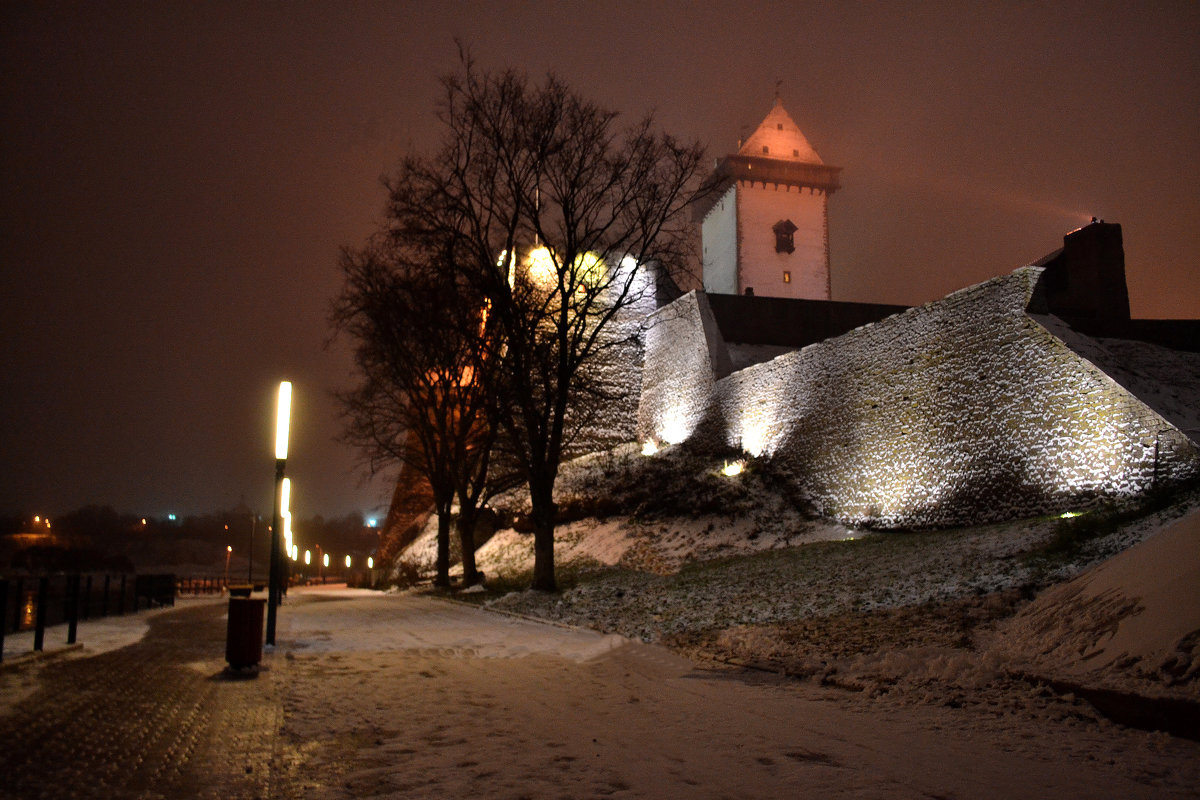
(960, 411)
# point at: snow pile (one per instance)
(1134, 619)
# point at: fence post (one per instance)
(16, 626)
(3, 613)
(39, 633)
(72, 607)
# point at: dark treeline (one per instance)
(101, 539)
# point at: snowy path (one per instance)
(406, 696)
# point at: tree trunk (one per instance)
(442, 578)
(466, 537)
(543, 514)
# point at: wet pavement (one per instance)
(157, 719)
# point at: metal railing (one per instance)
(36, 602)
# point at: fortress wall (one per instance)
(604, 406)
(685, 355)
(960, 411)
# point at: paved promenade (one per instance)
(156, 719)
(405, 696)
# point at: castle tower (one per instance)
(766, 228)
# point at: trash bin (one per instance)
(244, 636)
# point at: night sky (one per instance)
(178, 177)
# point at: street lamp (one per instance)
(283, 417)
(228, 555)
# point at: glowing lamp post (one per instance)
(282, 424)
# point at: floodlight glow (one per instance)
(325, 560)
(541, 267)
(308, 556)
(370, 562)
(285, 496)
(1069, 514)
(347, 562)
(283, 420)
(674, 428)
(649, 448)
(732, 468)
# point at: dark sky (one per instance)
(177, 179)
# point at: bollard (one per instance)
(39, 632)
(72, 608)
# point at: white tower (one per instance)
(766, 228)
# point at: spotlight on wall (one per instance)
(649, 448)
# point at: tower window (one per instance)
(765, 150)
(785, 239)
(778, 126)
(796, 153)
(787, 276)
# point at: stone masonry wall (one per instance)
(960, 411)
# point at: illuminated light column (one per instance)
(285, 575)
(282, 423)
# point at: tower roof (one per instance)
(776, 152)
(779, 137)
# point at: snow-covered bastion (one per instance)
(979, 406)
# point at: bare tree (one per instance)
(558, 215)
(423, 398)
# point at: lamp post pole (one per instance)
(282, 422)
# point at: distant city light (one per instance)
(372, 522)
(325, 560)
(171, 517)
(347, 562)
(1070, 514)
(370, 562)
(308, 556)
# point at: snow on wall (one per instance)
(962, 410)
(603, 413)
(684, 357)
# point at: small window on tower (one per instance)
(778, 126)
(784, 237)
(796, 153)
(765, 150)
(787, 276)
